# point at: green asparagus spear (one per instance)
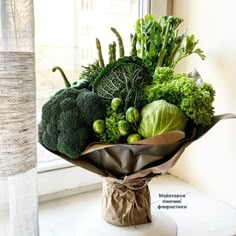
(133, 51)
(110, 53)
(99, 50)
(120, 42)
(114, 50)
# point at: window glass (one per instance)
(65, 36)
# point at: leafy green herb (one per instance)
(90, 72)
(187, 49)
(159, 42)
(195, 100)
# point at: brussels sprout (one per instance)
(123, 127)
(132, 115)
(132, 138)
(116, 104)
(98, 126)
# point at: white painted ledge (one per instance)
(204, 216)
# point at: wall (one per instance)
(161, 7)
(210, 163)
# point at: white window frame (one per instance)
(61, 178)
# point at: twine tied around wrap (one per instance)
(126, 203)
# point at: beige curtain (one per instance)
(18, 175)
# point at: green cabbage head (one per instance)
(160, 116)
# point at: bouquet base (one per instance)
(126, 203)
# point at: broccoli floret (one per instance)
(92, 105)
(70, 119)
(72, 142)
(67, 119)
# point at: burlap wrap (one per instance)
(126, 203)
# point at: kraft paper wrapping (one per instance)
(126, 204)
(128, 169)
(124, 161)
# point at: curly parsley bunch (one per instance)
(194, 99)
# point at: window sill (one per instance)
(53, 165)
(204, 215)
(57, 179)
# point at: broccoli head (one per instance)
(67, 120)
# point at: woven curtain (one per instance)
(18, 176)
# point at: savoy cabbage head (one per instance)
(125, 78)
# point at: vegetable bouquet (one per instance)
(131, 118)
